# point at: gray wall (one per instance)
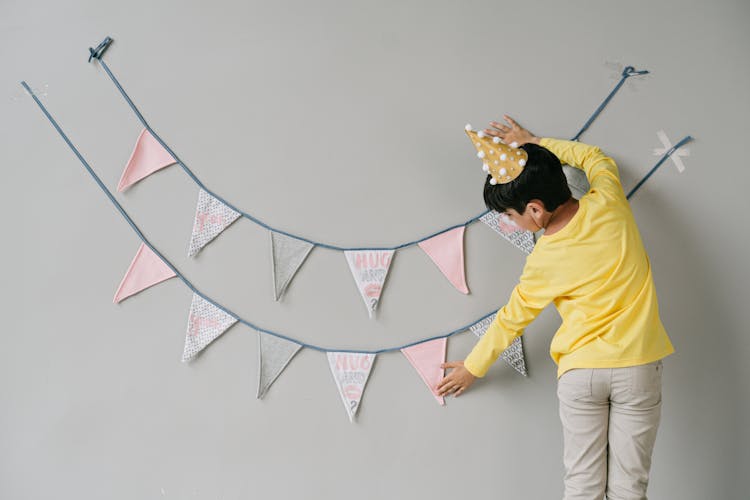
(343, 122)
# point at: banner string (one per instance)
(229, 312)
(96, 53)
(190, 285)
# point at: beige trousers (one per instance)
(609, 419)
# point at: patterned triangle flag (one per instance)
(147, 157)
(211, 218)
(370, 268)
(288, 255)
(426, 358)
(146, 270)
(275, 354)
(519, 238)
(350, 371)
(205, 323)
(447, 252)
(513, 355)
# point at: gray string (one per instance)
(99, 51)
(664, 157)
(190, 285)
(626, 73)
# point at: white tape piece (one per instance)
(675, 157)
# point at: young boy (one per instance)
(591, 264)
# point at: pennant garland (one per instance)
(288, 254)
(447, 252)
(147, 157)
(426, 358)
(275, 354)
(519, 238)
(205, 323)
(211, 218)
(513, 355)
(350, 371)
(146, 270)
(370, 268)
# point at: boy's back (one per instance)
(596, 272)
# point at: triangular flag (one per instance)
(275, 354)
(513, 355)
(350, 371)
(205, 323)
(519, 238)
(288, 255)
(147, 157)
(369, 268)
(146, 270)
(426, 358)
(211, 218)
(447, 251)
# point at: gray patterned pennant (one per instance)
(513, 355)
(288, 255)
(519, 238)
(275, 354)
(211, 218)
(205, 323)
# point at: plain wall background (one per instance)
(343, 122)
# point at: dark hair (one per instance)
(542, 179)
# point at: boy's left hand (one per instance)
(457, 381)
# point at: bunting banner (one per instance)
(350, 371)
(146, 270)
(370, 268)
(147, 157)
(205, 323)
(426, 358)
(447, 252)
(211, 218)
(513, 355)
(287, 254)
(275, 354)
(519, 238)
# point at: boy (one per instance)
(591, 263)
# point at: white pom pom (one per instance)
(503, 172)
(480, 134)
(496, 140)
(514, 144)
(480, 154)
(522, 162)
(468, 127)
(493, 181)
(497, 162)
(503, 156)
(486, 167)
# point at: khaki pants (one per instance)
(609, 418)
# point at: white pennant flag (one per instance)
(211, 218)
(350, 371)
(518, 237)
(288, 254)
(513, 355)
(370, 268)
(205, 323)
(275, 354)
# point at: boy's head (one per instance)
(539, 189)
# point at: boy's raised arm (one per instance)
(588, 158)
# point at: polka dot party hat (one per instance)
(503, 162)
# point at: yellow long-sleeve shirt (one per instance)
(596, 272)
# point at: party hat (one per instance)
(503, 162)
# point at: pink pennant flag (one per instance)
(146, 270)
(426, 358)
(447, 251)
(147, 157)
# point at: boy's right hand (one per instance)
(511, 133)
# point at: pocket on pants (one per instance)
(646, 379)
(574, 384)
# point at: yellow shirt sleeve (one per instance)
(600, 169)
(529, 297)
